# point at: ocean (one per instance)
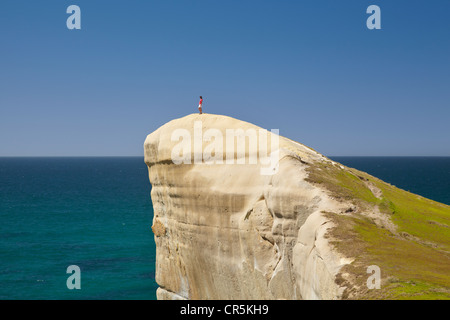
(96, 213)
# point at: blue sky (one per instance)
(311, 69)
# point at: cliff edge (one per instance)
(243, 213)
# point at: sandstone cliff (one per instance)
(234, 224)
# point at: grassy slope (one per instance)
(414, 259)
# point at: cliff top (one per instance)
(374, 223)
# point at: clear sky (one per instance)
(311, 69)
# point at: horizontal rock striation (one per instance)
(227, 231)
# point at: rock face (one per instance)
(229, 227)
(226, 231)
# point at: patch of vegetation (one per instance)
(418, 216)
(414, 261)
(405, 260)
(342, 183)
(416, 290)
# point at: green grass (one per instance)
(404, 259)
(418, 216)
(346, 184)
(416, 290)
(414, 260)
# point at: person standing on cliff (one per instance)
(200, 105)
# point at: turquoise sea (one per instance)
(96, 213)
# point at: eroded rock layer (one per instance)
(227, 231)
